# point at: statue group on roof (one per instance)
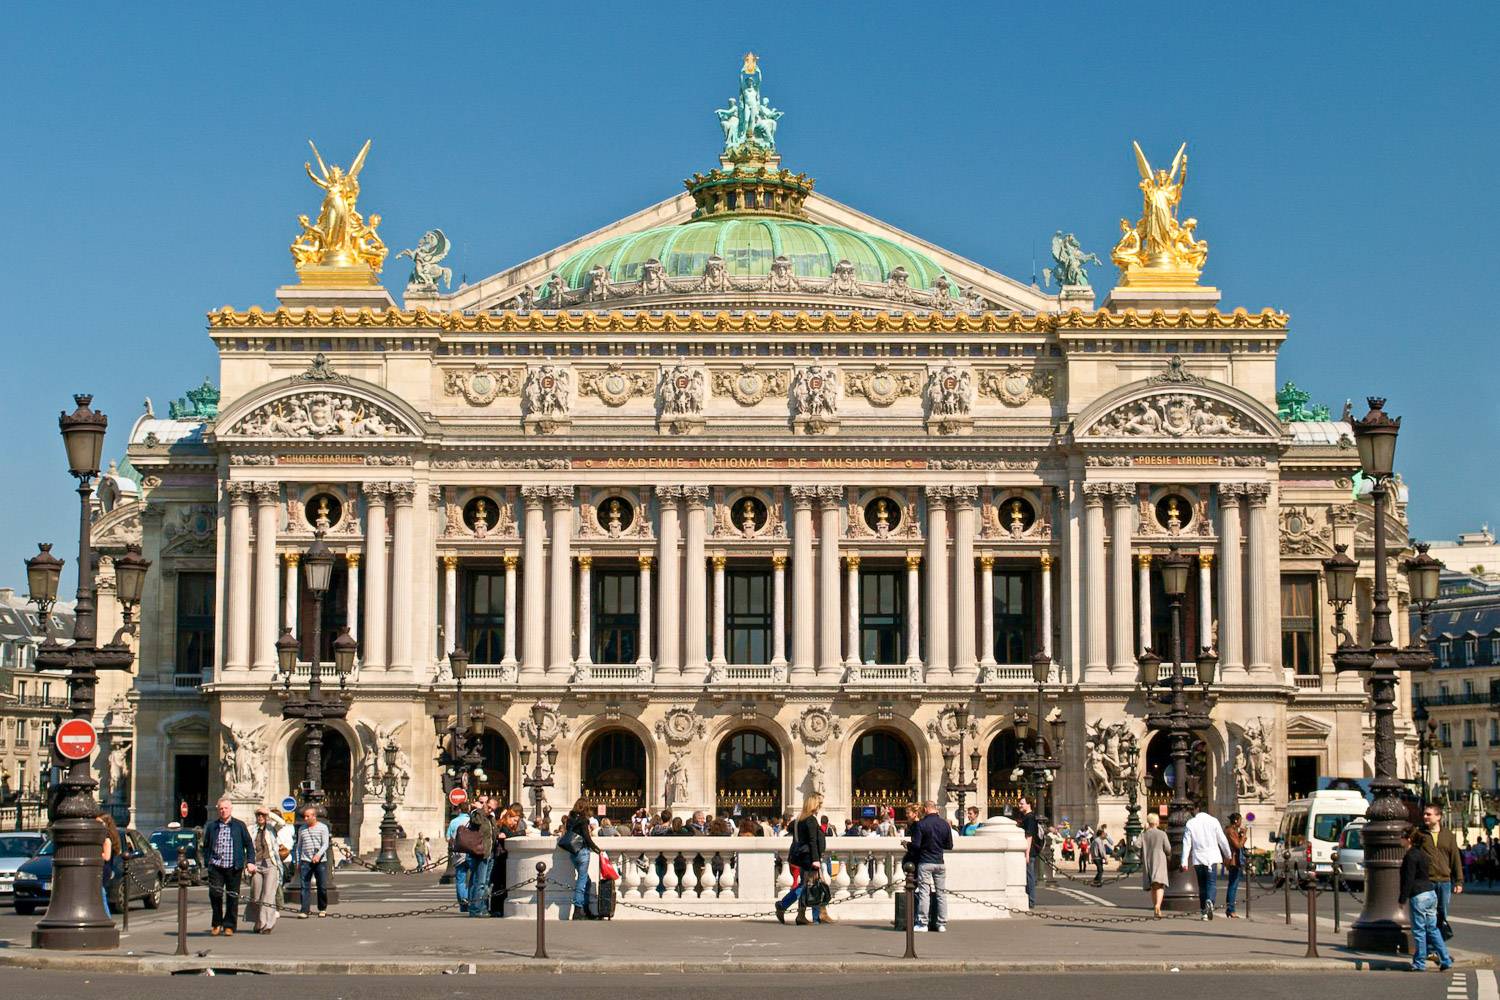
(749, 123)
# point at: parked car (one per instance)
(33, 886)
(169, 838)
(15, 850)
(1310, 829)
(1352, 852)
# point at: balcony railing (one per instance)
(1491, 698)
(1309, 682)
(611, 673)
(187, 682)
(901, 674)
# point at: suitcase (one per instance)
(604, 903)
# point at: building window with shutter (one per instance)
(195, 624)
(1299, 623)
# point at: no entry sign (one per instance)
(76, 739)
(458, 797)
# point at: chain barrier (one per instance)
(1119, 876)
(1067, 918)
(359, 862)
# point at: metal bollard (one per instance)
(1312, 919)
(1337, 871)
(124, 898)
(911, 909)
(181, 903)
(541, 910)
(1249, 869)
(1286, 884)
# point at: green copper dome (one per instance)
(748, 244)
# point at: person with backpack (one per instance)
(809, 890)
(578, 842)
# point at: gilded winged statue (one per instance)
(340, 237)
(1158, 241)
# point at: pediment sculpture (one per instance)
(682, 391)
(321, 415)
(815, 397)
(1173, 415)
(243, 760)
(548, 391)
(949, 392)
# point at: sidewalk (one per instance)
(448, 942)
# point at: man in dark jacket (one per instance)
(1445, 864)
(229, 852)
(927, 839)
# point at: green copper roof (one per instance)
(748, 245)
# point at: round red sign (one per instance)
(76, 739)
(458, 797)
(182, 810)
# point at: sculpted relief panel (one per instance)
(321, 415)
(1173, 415)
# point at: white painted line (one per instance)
(1493, 922)
(1488, 988)
(1086, 897)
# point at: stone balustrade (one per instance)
(692, 876)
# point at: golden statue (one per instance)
(1158, 251)
(340, 240)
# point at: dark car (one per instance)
(144, 877)
(15, 850)
(173, 836)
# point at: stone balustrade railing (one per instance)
(693, 876)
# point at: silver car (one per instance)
(1351, 848)
(16, 849)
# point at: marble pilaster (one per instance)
(939, 665)
(377, 616)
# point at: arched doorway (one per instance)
(337, 768)
(882, 772)
(614, 772)
(1000, 768)
(749, 775)
(495, 753)
(1159, 769)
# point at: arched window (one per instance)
(749, 774)
(882, 770)
(496, 755)
(1004, 789)
(337, 770)
(614, 772)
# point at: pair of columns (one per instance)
(254, 609)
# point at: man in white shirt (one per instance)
(1205, 847)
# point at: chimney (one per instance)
(7, 595)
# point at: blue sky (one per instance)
(1344, 166)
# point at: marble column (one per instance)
(643, 640)
(1260, 539)
(237, 597)
(533, 584)
(1205, 600)
(1122, 610)
(935, 610)
(1231, 629)
(669, 580)
(560, 580)
(695, 584)
(377, 617)
(402, 575)
(267, 579)
(778, 610)
(351, 567)
(851, 625)
(987, 610)
(289, 592)
(802, 583)
(1046, 562)
(585, 611)
(913, 613)
(1095, 575)
(510, 609)
(965, 665)
(719, 659)
(830, 663)
(1143, 590)
(450, 604)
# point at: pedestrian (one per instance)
(1099, 847)
(1234, 863)
(1083, 850)
(1204, 847)
(421, 850)
(1418, 894)
(607, 828)
(1445, 867)
(1029, 827)
(260, 911)
(1156, 861)
(313, 843)
(114, 863)
(477, 840)
(805, 860)
(579, 844)
(458, 859)
(928, 839)
(971, 821)
(229, 854)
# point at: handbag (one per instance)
(815, 891)
(607, 870)
(469, 840)
(570, 842)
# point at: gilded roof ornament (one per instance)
(1158, 251)
(341, 249)
(749, 123)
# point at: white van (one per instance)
(1310, 829)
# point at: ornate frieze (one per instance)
(615, 385)
(1302, 535)
(537, 464)
(750, 384)
(680, 398)
(950, 398)
(321, 415)
(1173, 415)
(481, 385)
(815, 399)
(1016, 386)
(883, 385)
(547, 398)
(816, 726)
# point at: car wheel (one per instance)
(25, 909)
(153, 900)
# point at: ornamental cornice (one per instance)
(723, 321)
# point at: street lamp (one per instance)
(1130, 753)
(388, 860)
(315, 708)
(955, 783)
(1179, 723)
(539, 779)
(1382, 924)
(75, 916)
(1037, 765)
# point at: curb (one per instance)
(170, 964)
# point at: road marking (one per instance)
(1493, 922)
(1458, 986)
(1086, 897)
(1488, 988)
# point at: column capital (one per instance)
(268, 492)
(852, 560)
(986, 561)
(1094, 493)
(404, 493)
(669, 493)
(585, 562)
(511, 560)
(803, 496)
(450, 562)
(1258, 493)
(913, 561)
(1122, 494)
(1232, 491)
(644, 561)
(239, 492)
(1143, 559)
(291, 559)
(351, 559)
(830, 496)
(718, 561)
(376, 491)
(534, 496)
(1046, 560)
(696, 496)
(963, 496)
(561, 497)
(1206, 560)
(778, 561)
(938, 492)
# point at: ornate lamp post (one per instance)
(539, 779)
(1130, 750)
(1382, 924)
(315, 708)
(75, 916)
(387, 860)
(1036, 764)
(1427, 743)
(1179, 724)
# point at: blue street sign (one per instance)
(288, 804)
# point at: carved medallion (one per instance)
(615, 385)
(1016, 386)
(815, 727)
(882, 385)
(750, 385)
(483, 384)
(681, 725)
